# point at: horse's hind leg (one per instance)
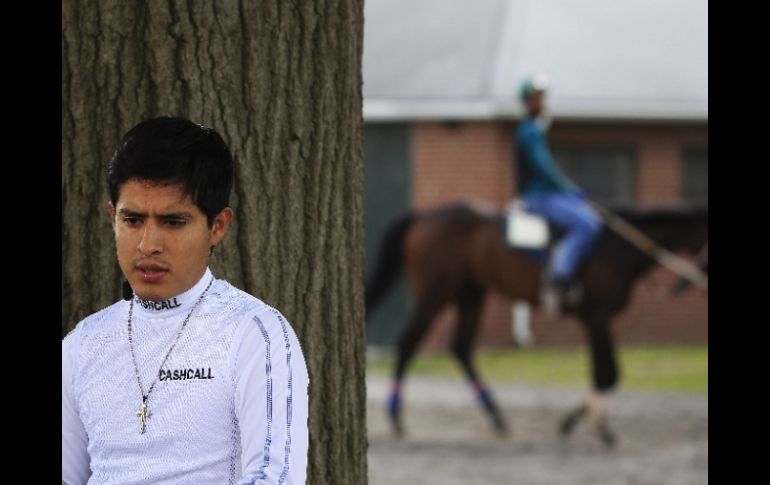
(470, 310)
(407, 345)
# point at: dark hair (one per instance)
(175, 151)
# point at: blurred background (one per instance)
(629, 108)
(628, 103)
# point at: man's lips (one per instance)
(151, 272)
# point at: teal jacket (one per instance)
(537, 171)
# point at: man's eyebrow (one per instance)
(130, 213)
(171, 215)
(175, 215)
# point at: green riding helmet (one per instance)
(533, 84)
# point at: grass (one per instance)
(665, 368)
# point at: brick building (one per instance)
(629, 106)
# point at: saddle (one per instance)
(531, 233)
(525, 230)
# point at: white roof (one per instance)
(606, 59)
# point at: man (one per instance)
(191, 380)
(546, 191)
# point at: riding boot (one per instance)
(551, 300)
(572, 293)
(560, 294)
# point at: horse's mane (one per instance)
(464, 208)
(685, 213)
(675, 214)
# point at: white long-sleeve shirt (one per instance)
(230, 404)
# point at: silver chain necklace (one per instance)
(144, 411)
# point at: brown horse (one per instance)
(454, 254)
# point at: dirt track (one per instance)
(663, 438)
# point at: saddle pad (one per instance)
(525, 230)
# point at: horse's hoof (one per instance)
(394, 413)
(608, 438)
(501, 427)
(396, 426)
(567, 425)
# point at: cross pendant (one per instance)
(143, 414)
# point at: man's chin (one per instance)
(150, 292)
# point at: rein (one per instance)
(666, 258)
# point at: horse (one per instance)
(454, 254)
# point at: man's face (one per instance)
(536, 103)
(162, 238)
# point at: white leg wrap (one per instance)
(597, 408)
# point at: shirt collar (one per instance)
(176, 304)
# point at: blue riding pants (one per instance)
(569, 212)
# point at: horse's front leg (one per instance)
(605, 376)
(593, 407)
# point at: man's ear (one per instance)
(220, 225)
(111, 212)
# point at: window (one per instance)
(695, 174)
(605, 173)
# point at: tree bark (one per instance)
(281, 81)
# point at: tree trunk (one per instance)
(281, 81)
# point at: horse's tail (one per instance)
(389, 262)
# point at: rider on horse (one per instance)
(546, 191)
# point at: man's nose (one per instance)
(152, 239)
